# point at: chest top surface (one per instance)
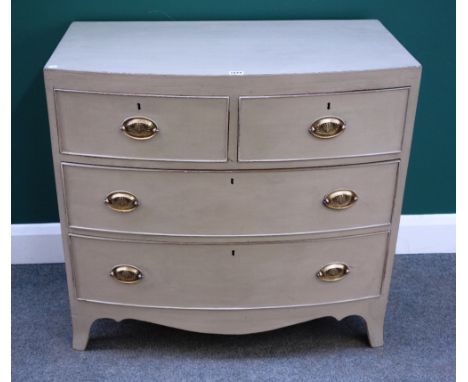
(221, 48)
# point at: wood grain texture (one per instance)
(228, 276)
(276, 128)
(236, 322)
(248, 203)
(213, 48)
(268, 211)
(189, 128)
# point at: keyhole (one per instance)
(233, 253)
(138, 106)
(328, 106)
(232, 180)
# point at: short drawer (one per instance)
(228, 203)
(144, 127)
(219, 275)
(285, 128)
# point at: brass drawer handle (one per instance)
(340, 199)
(139, 128)
(127, 274)
(121, 201)
(333, 272)
(327, 127)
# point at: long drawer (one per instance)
(145, 127)
(229, 203)
(218, 275)
(334, 125)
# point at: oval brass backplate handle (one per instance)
(139, 128)
(127, 274)
(333, 272)
(327, 127)
(340, 199)
(121, 201)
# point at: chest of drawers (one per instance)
(230, 177)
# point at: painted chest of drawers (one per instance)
(230, 177)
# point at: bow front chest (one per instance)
(230, 177)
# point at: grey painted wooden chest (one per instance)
(230, 177)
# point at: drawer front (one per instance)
(187, 128)
(279, 128)
(246, 275)
(223, 203)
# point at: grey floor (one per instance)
(419, 338)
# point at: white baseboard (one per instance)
(427, 234)
(36, 243)
(41, 243)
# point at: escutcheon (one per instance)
(327, 127)
(333, 272)
(121, 201)
(139, 128)
(127, 274)
(340, 199)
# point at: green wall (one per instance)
(425, 27)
